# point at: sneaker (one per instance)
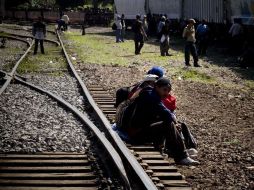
(188, 161)
(192, 152)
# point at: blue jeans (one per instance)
(118, 35)
(190, 48)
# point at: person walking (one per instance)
(119, 28)
(39, 33)
(190, 47)
(202, 37)
(140, 34)
(164, 41)
(123, 27)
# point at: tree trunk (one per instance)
(2, 10)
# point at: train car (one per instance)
(211, 10)
(130, 8)
(244, 10)
(172, 8)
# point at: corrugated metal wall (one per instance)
(130, 7)
(211, 10)
(170, 7)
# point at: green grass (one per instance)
(250, 84)
(98, 49)
(52, 60)
(192, 74)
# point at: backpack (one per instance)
(114, 27)
(125, 113)
(122, 94)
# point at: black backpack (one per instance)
(125, 113)
(122, 94)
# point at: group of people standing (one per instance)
(192, 36)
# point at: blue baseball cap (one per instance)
(156, 71)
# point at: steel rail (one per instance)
(12, 73)
(144, 178)
(14, 38)
(104, 141)
(28, 36)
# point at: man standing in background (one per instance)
(190, 47)
(236, 33)
(139, 34)
(119, 28)
(202, 37)
(39, 33)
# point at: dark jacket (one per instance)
(149, 109)
(39, 30)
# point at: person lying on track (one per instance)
(146, 119)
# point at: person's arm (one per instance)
(164, 112)
(184, 33)
(231, 29)
(143, 32)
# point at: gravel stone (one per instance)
(31, 122)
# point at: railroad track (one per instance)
(28, 36)
(158, 167)
(138, 167)
(61, 170)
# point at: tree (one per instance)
(42, 3)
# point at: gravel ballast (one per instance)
(31, 122)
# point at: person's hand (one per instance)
(179, 127)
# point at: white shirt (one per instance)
(119, 24)
(66, 19)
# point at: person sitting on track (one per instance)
(39, 33)
(146, 119)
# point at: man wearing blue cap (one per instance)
(156, 71)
